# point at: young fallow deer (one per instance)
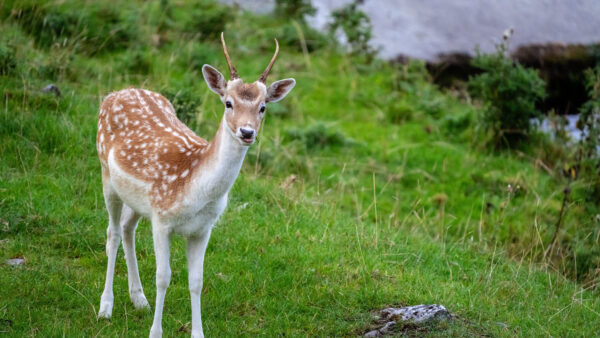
(156, 167)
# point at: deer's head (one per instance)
(245, 103)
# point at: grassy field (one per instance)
(391, 202)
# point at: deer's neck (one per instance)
(222, 166)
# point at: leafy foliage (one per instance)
(185, 103)
(294, 9)
(8, 60)
(509, 92)
(294, 34)
(206, 19)
(356, 26)
(319, 136)
(96, 28)
(588, 151)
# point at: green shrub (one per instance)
(294, 9)
(137, 60)
(289, 35)
(185, 103)
(108, 28)
(357, 27)
(90, 30)
(56, 67)
(509, 92)
(206, 19)
(8, 60)
(318, 136)
(282, 109)
(204, 53)
(46, 23)
(588, 154)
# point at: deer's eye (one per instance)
(262, 109)
(228, 104)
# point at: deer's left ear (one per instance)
(215, 80)
(279, 89)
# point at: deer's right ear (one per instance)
(215, 80)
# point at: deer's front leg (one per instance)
(196, 247)
(163, 274)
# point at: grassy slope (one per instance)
(310, 259)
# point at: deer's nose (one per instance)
(247, 133)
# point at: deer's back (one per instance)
(147, 141)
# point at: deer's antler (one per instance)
(232, 72)
(263, 76)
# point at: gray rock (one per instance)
(52, 88)
(15, 261)
(389, 317)
(416, 313)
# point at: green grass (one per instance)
(390, 206)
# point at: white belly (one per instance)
(192, 215)
(132, 191)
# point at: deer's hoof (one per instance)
(139, 301)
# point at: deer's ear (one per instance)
(215, 80)
(279, 89)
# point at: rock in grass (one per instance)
(15, 261)
(389, 317)
(52, 88)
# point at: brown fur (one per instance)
(147, 139)
(247, 91)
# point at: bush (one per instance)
(356, 26)
(288, 35)
(510, 93)
(294, 9)
(91, 30)
(137, 60)
(107, 28)
(399, 110)
(206, 19)
(8, 60)
(588, 156)
(185, 103)
(45, 23)
(204, 53)
(319, 136)
(56, 67)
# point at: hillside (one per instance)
(390, 201)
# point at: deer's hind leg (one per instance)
(114, 205)
(129, 222)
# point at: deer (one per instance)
(154, 166)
